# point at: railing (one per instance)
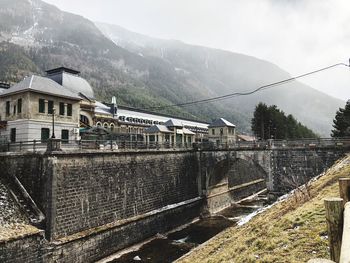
(71, 145)
(272, 144)
(38, 145)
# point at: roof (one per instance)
(165, 129)
(174, 123)
(221, 123)
(41, 85)
(158, 128)
(162, 115)
(102, 108)
(70, 79)
(62, 69)
(187, 131)
(246, 138)
(77, 85)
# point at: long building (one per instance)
(28, 108)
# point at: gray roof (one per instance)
(221, 123)
(187, 131)
(173, 123)
(77, 85)
(158, 128)
(41, 85)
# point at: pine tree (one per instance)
(269, 122)
(342, 122)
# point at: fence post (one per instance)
(344, 189)
(345, 246)
(334, 218)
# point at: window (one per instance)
(69, 110)
(45, 134)
(50, 107)
(14, 109)
(61, 108)
(41, 105)
(65, 136)
(13, 135)
(19, 106)
(7, 108)
(213, 131)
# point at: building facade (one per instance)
(29, 109)
(222, 131)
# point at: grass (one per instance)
(293, 230)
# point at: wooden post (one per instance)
(334, 217)
(345, 246)
(344, 189)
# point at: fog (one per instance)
(298, 36)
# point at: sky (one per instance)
(297, 35)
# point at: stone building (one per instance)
(26, 110)
(172, 132)
(222, 131)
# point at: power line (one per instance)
(236, 94)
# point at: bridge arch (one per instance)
(230, 178)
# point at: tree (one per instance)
(269, 122)
(341, 123)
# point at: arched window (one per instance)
(99, 124)
(84, 120)
(105, 125)
(112, 126)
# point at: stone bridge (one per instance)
(97, 202)
(228, 175)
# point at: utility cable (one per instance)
(236, 94)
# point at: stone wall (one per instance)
(102, 243)
(95, 189)
(28, 168)
(292, 166)
(27, 249)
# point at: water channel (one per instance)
(168, 248)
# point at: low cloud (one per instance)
(298, 36)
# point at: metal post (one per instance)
(34, 144)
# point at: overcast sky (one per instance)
(297, 35)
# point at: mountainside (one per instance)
(221, 72)
(145, 72)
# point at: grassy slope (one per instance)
(291, 231)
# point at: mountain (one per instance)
(145, 72)
(221, 72)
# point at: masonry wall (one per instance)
(103, 243)
(290, 166)
(27, 249)
(95, 189)
(28, 168)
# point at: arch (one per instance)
(105, 125)
(232, 172)
(99, 124)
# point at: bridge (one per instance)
(86, 199)
(230, 173)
